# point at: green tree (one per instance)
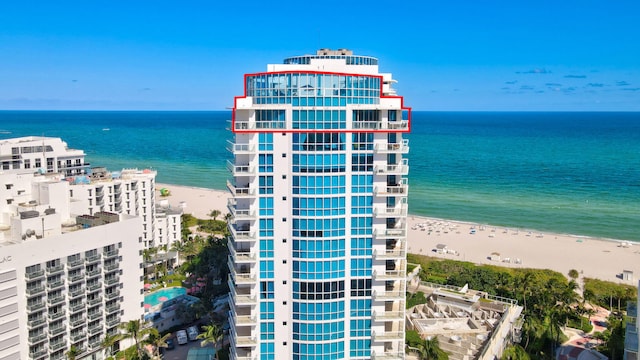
(212, 335)
(134, 330)
(108, 344)
(515, 352)
(573, 274)
(214, 214)
(430, 349)
(158, 341)
(72, 352)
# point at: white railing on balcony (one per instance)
(395, 253)
(389, 315)
(393, 169)
(242, 169)
(383, 211)
(389, 274)
(402, 148)
(389, 295)
(243, 191)
(390, 233)
(388, 335)
(240, 148)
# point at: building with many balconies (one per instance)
(41, 154)
(65, 280)
(318, 246)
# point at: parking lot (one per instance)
(180, 352)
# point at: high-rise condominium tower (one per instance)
(318, 253)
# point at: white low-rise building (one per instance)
(41, 154)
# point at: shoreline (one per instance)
(600, 258)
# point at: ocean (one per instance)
(566, 172)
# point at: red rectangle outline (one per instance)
(235, 99)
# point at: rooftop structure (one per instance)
(319, 211)
(469, 324)
(41, 154)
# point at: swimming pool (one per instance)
(154, 298)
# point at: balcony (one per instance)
(94, 286)
(111, 266)
(94, 315)
(34, 323)
(238, 149)
(240, 214)
(241, 277)
(40, 352)
(390, 254)
(93, 273)
(389, 275)
(36, 339)
(81, 320)
(76, 278)
(58, 283)
(112, 280)
(94, 301)
(57, 330)
(112, 295)
(241, 192)
(94, 329)
(77, 292)
(54, 300)
(72, 264)
(91, 259)
(390, 295)
(243, 340)
(393, 169)
(390, 233)
(388, 315)
(113, 322)
(392, 148)
(35, 290)
(390, 355)
(35, 307)
(401, 189)
(243, 234)
(76, 308)
(396, 125)
(54, 270)
(242, 298)
(110, 254)
(242, 255)
(56, 315)
(34, 275)
(77, 337)
(57, 345)
(388, 336)
(110, 309)
(390, 212)
(242, 320)
(241, 170)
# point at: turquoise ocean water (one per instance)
(575, 173)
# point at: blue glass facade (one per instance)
(315, 193)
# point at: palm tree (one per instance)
(72, 353)
(108, 342)
(157, 341)
(214, 214)
(133, 329)
(430, 349)
(212, 335)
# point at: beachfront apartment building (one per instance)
(65, 279)
(632, 331)
(130, 191)
(319, 205)
(41, 154)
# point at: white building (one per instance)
(64, 279)
(43, 154)
(130, 191)
(318, 249)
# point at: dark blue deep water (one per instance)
(576, 173)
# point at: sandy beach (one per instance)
(477, 243)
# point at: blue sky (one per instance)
(446, 55)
